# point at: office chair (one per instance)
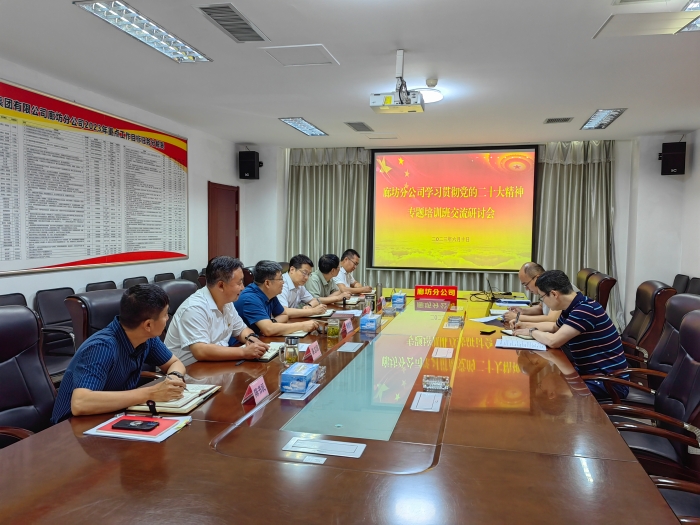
(285, 267)
(57, 344)
(693, 286)
(178, 290)
(248, 277)
(163, 277)
(92, 311)
(598, 288)
(680, 283)
(582, 278)
(133, 281)
(104, 285)
(190, 275)
(16, 299)
(26, 390)
(644, 329)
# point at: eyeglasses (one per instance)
(354, 263)
(525, 284)
(280, 279)
(304, 273)
(547, 294)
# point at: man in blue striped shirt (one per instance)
(586, 330)
(104, 373)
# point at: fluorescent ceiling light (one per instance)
(602, 118)
(124, 17)
(305, 127)
(694, 5)
(429, 94)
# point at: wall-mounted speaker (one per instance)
(672, 158)
(249, 165)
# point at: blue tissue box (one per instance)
(298, 377)
(370, 322)
(398, 299)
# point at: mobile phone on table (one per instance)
(135, 424)
(487, 332)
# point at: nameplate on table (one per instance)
(314, 459)
(312, 352)
(325, 447)
(256, 391)
(366, 310)
(446, 293)
(346, 328)
(515, 343)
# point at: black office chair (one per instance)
(693, 286)
(285, 266)
(26, 392)
(644, 329)
(103, 285)
(163, 277)
(13, 299)
(582, 278)
(248, 276)
(92, 311)
(178, 290)
(57, 344)
(190, 275)
(133, 281)
(598, 288)
(680, 283)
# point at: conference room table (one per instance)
(512, 442)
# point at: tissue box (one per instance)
(370, 322)
(298, 377)
(398, 299)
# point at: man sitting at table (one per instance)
(344, 280)
(584, 327)
(321, 284)
(104, 373)
(295, 297)
(259, 307)
(540, 313)
(207, 322)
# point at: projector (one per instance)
(390, 102)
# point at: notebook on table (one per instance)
(194, 396)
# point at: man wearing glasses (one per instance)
(295, 297)
(260, 308)
(345, 281)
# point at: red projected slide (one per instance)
(463, 210)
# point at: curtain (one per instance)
(328, 207)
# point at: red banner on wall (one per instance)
(445, 293)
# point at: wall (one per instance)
(210, 159)
(690, 230)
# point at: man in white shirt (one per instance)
(207, 320)
(345, 281)
(295, 297)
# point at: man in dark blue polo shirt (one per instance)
(103, 374)
(259, 307)
(584, 327)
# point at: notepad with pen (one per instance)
(194, 396)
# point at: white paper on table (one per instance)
(498, 311)
(350, 347)
(517, 343)
(486, 319)
(427, 401)
(443, 352)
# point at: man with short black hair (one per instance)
(586, 330)
(294, 296)
(206, 323)
(259, 307)
(344, 280)
(321, 284)
(104, 373)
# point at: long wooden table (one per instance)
(511, 444)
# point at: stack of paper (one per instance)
(167, 426)
(327, 313)
(520, 344)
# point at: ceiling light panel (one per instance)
(602, 118)
(305, 127)
(695, 24)
(124, 17)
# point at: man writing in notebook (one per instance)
(260, 308)
(321, 284)
(294, 296)
(104, 373)
(584, 328)
(207, 322)
(344, 280)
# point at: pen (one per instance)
(240, 362)
(516, 320)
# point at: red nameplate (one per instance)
(257, 390)
(313, 352)
(444, 293)
(346, 328)
(164, 424)
(367, 310)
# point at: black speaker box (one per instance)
(248, 165)
(673, 158)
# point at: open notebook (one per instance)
(191, 399)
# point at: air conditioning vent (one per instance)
(359, 126)
(558, 120)
(233, 23)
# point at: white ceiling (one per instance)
(504, 66)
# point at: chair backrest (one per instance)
(693, 286)
(666, 351)
(679, 393)
(92, 311)
(190, 275)
(248, 277)
(285, 267)
(26, 392)
(582, 278)
(648, 315)
(49, 305)
(163, 277)
(177, 290)
(598, 288)
(13, 299)
(680, 283)
(132, 281)
(103, 285)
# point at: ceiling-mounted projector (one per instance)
(401, 100)
(391, 102)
